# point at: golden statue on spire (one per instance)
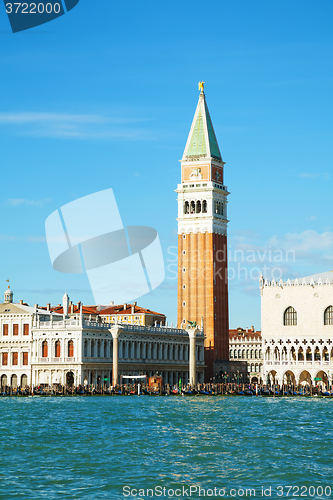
(201, 86)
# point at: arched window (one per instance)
(44, 349)
(198, 207)
(186, 207)
(71, 349)
(328, 316)
(290, 317)
(24, 381)
(204, 206)
(57, 349)
(192, 207)
(231, 353)
(85, 349)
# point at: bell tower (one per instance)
(202, 237)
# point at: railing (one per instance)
(106, 326)
(139, 328)
(56, 324)
(180, 362)
(49, 359)
(89, 359)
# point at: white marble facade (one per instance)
(297, 330)
(53, 349)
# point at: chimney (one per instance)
(48, 307)
(72, 307)
(125, 307)
(21, 302)
(133, 308)
(252, 328)
(111, 302)
(36, 306)
(65, 301)
(78, 305)
(134, 303)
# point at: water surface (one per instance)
(94, 447)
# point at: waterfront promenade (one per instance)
(255, 390)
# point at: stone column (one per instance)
(192, 332)
(115, 331)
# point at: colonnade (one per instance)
(299, 355)
(191, 352)
(245, 353)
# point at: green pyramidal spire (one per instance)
(201, 142)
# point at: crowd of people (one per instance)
(229, 389)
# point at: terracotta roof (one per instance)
(240, 332)
(107, 311)
(113, 310)
(85, 309)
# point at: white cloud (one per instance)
(311, 175)
(21, 239)
(76, 126)
(15, 202)
(21, 118)
(290, 255)
(307, 241)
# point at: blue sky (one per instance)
(104, 97)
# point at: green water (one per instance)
(109, 447)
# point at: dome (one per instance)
(8, 295)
